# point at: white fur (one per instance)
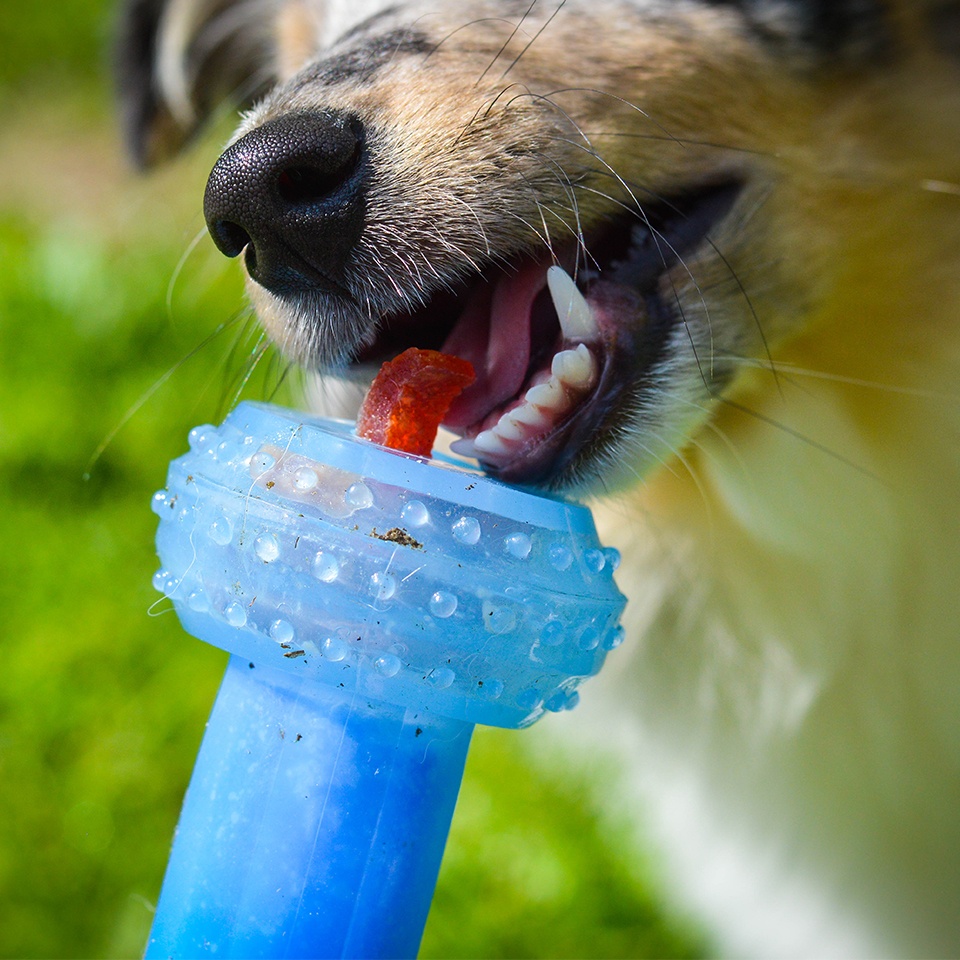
(787, 706)
(342, 16)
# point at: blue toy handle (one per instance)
(314, 824)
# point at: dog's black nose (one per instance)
(292, 193)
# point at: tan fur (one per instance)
(788, 706)
(299, 26)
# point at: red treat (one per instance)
(410, 397)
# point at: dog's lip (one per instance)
(623, 321)
(503, 327)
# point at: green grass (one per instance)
(65, 42)
(103, 341)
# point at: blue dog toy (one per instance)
(376, 606)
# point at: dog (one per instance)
(731, 221)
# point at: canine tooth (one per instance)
(487, 441)
(549, 395)
(576, 368)
(576, 319)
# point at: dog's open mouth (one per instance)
(559, 347)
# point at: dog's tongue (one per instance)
(493, 334)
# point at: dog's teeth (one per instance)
(576, 319)
(510, 428)
(490, 442)
(575, 368)
(573, 372)
(530, 415)
(464, 448)
(549, 395)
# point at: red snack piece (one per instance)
(410, 397)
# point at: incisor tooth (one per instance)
(549, 395)
(576, 368)
(529, 414)
(487, 441)
(576, 320)
(463, 448)
(510, 428)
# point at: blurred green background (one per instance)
(120, 328)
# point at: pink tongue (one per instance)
(494, 335)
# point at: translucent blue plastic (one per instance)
(376, 606)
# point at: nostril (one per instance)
(229, 237)
(306, 182)
(303, 185)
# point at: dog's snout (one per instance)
(291, 193)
